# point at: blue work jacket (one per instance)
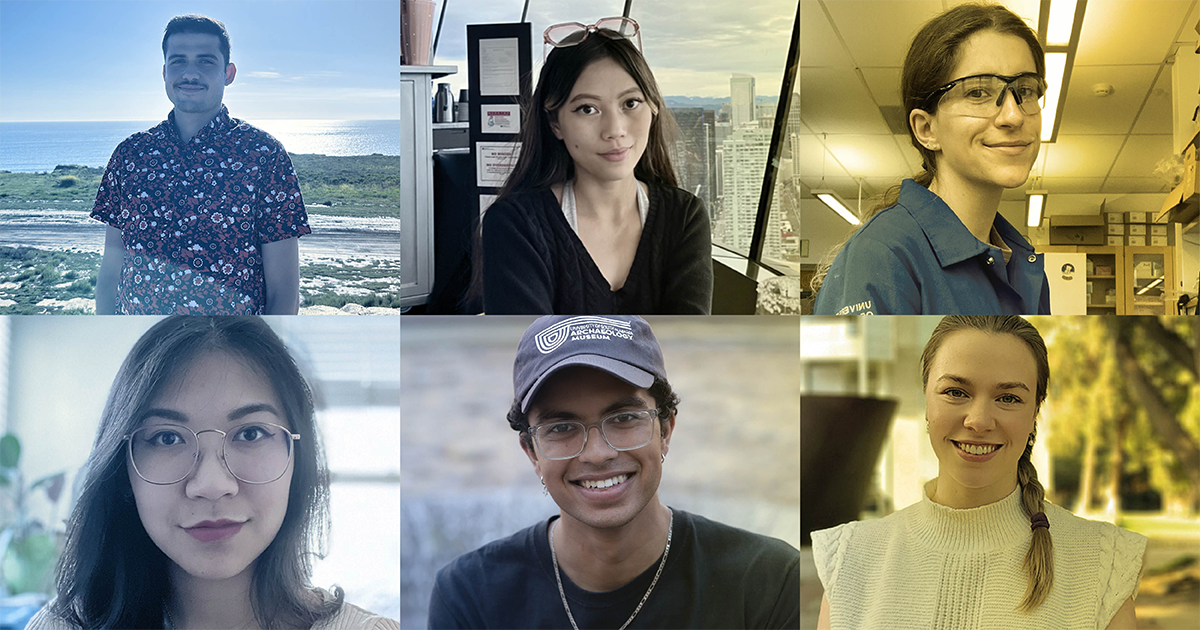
(917, 257)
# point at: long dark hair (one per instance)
(111, 574)
(932, 56)
(544, 159)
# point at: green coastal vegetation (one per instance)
(37, 281)
(355, 186)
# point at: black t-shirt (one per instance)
(535, 264)
(716, 576)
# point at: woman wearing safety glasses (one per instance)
(591, 220)
(973, 85)
(206, 493)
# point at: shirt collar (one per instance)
(219, 123)
(952, 242)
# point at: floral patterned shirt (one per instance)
(193, 216)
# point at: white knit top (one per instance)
(349, 617)
(930, 566)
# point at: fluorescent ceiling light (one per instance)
(829, 198)
(1150, 286)
(1035, 200)
(1061, 22)
(1056, 67)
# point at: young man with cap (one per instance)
(596, 415)
(203, 210)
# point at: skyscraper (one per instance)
(744, 160)
(694, 154)
(741, 92)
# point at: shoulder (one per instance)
(258, 139)
(45, 619)
(831, 546)
(504, 556)
(674, 199)
(351, 617)
(526, 207)
(892, 228)
(141, 140)
(741, 546)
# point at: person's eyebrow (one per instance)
(621, 403)
(200, 56)
(236, 414)
(596, 98)
(966, 381)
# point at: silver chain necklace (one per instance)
(558, 578)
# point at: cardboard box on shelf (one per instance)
(1114, 217)
(1158, 230)
(1137, 230)
(1076, 234)
(1158, 241)
(1136, 217)
(1135, 241)
(1076, 219)
(1116, 241)
(1116, 228)
(1104, 270)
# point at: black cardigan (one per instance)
(534, 263)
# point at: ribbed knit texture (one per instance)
(930, 566)
(350, 617)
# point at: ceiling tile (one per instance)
(814, 160)
(1081, 156)
(1140, 155)
(884, 84)
(1086, 113)
(878, 32)
(836, 101)
(868, 155)
(1135, 185)
(819, 45)
(1156, 115)
(1072, 184)
(1129, 31)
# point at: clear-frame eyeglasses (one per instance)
(982, 95)
(255, 453)
(622, 431)
(572, 33)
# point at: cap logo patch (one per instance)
(581, 328)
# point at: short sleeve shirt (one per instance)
(917, 257)
(194, 216)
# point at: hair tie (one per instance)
(1039, 520)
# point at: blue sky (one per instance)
(692, 46)
(102, 60)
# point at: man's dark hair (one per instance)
(665, 400)
(197, 24)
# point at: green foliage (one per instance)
(29, 563)
(67, 181)
(10, 451)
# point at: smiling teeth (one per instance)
(607, 483)
(977, 450)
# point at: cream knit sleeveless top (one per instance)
(930, 566)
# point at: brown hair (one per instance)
(932, 56)
(1039, 560)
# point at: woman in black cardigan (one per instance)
(591, 221)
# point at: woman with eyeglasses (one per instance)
(983, 548)
(591, 220)
(973, 85)
(206, 493)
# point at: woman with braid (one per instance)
(983, 549)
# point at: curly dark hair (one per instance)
(665, 400)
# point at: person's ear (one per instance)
(164, 72)
(924, 126)
(230, 72)
(554, 127)
(531, 453)
(668, 429)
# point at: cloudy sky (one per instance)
(692, 46)
(102, 60)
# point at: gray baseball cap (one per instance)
(623, 346)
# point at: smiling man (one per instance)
(596, 413)
(203, 210)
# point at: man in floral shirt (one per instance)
(203, 211)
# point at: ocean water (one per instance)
(40, 146)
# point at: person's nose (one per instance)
(211, 478)
(1010, 114)
(980, 417)
(596, 450)
(614, 125)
